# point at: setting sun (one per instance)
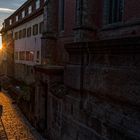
(0, 42)
(0, 46)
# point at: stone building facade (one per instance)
(51, 73)
(22, 50)
(7, 53)
(87, 87)
(26, 27)
(96, 95)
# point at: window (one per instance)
(24, 33)
(41, 25)
(16, 35)
(23, 14)
(35, 29)
(113, 11)
(22, 55)
(29, 32)
(29, 55)
(20, 16)
(62, 14)
(20, 34)
(16, 55)
(37, 54)
(16, 18)
(10, 21)
(29, 9)
(37, 4)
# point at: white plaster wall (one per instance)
(32, 43)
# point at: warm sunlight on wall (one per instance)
(0, 42)
(0, 46)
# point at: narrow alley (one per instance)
(14, 125)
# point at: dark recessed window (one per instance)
(20, 34)
(16, 35)
(35, 29)
(16, 55)
(37, 54)
(113, 11)
(29, 55)
(41, 25)
(22, 55)
(62, 14)
(24, 33)
(29, 32)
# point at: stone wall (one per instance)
(24, 73)
(103, 101)
(99, 99)
(48, 79)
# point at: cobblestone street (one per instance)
(15, 124)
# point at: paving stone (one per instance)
(15, 124)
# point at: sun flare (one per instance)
(0, 46)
